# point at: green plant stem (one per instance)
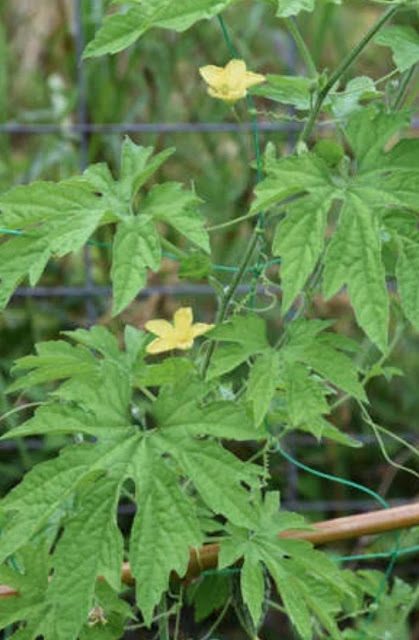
(173, 248)
(301, 46)
(148, 394)
(211, 630)
(178, 614)
(229, 223)
(229, 294)
(20, 408)
(404, 85)
(338, 73)
(163, 619)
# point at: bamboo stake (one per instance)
(373, 522)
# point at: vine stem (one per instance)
(404, 85)
(340, 70)
(229, 294)
(301, 46)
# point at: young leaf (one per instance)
(294, 90)
(122, 29)
(263, 380)
(136, 247)
(171, 203)
(299, 240)
(404, 43)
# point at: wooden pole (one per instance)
(373, 522)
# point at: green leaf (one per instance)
(226, 358)
(66, 214)
(263, 379)
(136, 248)
(299, 240)
(208, 595)
(218, 476)
(404, 43)
(368, 132)
(136, 168)
(348, 101)
(354, 257)
(287, 8)
(248, 330)
(179, 412)
(253, 586)
(167, 524)
(293, 175)
(407, 270)
(55, 360)
(58, 218)
(294, 90)
(41, 202)
(31, 585)
(195, 267)
(291, 563)
(333, 365)
(37, 497)
(171, 203)
(306, 396)
(70, 593)
(98, 338)
(122, 29)
(169, 371)
(295, 605)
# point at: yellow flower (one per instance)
(230, 83)
(179, 335)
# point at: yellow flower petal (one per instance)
(212, 75)
(185, 343)
(160, 328)
(230, 83)
(200, 328)
(183, 320)
(159, 345)
(230, 97)
(254, 78)
(179, 335)
(235, 72)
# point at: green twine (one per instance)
(393, 554)
(172, 256)
(259, 267)
(327, 476)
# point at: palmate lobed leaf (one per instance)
(306, 580)
(80, 489)
(59, 218)
(353, 254)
